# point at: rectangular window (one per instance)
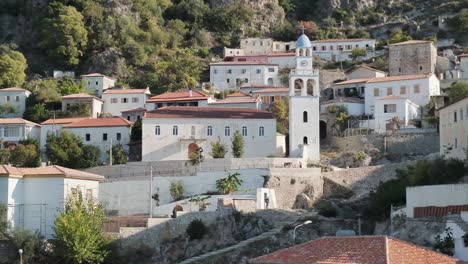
(11, 132)
(17, 98)
(96, 83)
(455, 116)
(403, 90)
(324, 48)
(135, 100)
(376, 91)
(390, 108)
(314, 48)
(331, 47)
(104, 137)
(157, 130)
(209, 131)
(215, 71)
(175, 131)
(244, 131)
(8, 98)
(271, 69)
(456, 143)
(389, 91)
(89, 194)
(124, 100)
(259, 71)
(229, 71)
(261, 131)
(416, 88)
(244, 70)
(88, 137)
(119, 136)
(227, 80)
(348, 47)
(227, 131)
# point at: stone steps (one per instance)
(276, 229)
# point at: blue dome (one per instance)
(303, 42)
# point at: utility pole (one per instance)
(110, 153)
(391, 220)
(151, 192)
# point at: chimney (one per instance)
(190, 92)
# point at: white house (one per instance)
(118, 100)
(35, 196)
(391, 106)
(172, 133)
(238, 100)
(134, 115)
(271, 95)
(95, 104)
(416, 88)
(102, 133)
(354, 105)
(364, 72)
(458, 224)
(13, 130)
(179, 98)
(15, 97)
(283, 59)
(453, 126)
(463, 66)
(53, 126)
(264, 46)
(97, 83)
(232, 75)
(336, 50)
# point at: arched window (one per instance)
(244, 131)
(301, 52)
(261, 131)
(210, 131)
(157, 130)
(175, 130)
(227, 131)
(304, 140)
(307, 52)
(304, 117)
(270, 81)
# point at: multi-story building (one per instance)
(412, 57)
(283, 59)
(35, 196)
(118, 100)
(264, 46)
(179, 98)
(53, 126)
(134, 115)
(13, 130)
(96, 83)
(172, 133)
(336, 50)
(363, 72)
(232, 75)
(16, 97)
(94, 104)
(453, 126)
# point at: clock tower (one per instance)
(304, 108)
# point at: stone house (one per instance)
(94, 103)
(97, 83)
(364, 72)
(15, 97)
(412, 57)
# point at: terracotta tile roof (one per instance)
(282, 54)
(96, 75)
(80, 96)
(273, 90)
(237, 98)
(13, 89)
(364, 80)
(53, 170)
(16, 121)
(365, 67)
(138, 109)
(208, 112)
(399, 78)
(178, 96)
(344, 100)
(339, 40)
(67, 120)
(126, 91)
(409, 42)
(356, 250)
(463, 56)
(256, 85)
(242, 63)
(100, 122)
(238, 94)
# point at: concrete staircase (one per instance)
(276, 229)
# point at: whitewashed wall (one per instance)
(219, 74)
(97, 85)
(451, 131)
(353, 108)
(115, 109)
(20, 105)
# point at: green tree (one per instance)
(136, 132)
(459, 22)
(287, 5)
(26, 155)
(90, 157)
(78, 232)
(356, 53)
(397, 36)
(229, 184)
(218, 150)
(177, 190)
(32, 244)
(4, 156)
(177, 31)
(64, 36)
(37, 113)
(118, 154)
(7, 108)
(3, 221)
(458, 91)
(237, 145)
(76, 110)
(67, 85)
(280, 110)
(12, 67)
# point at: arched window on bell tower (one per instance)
(307, 52)
(301, 52)
(304, 117)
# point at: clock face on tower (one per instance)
(304, 63)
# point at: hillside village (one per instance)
(289, 148)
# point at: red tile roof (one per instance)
(256, 85)
(13, 89)
(96, 75)
(80, 96)
(62, 120)
(126, 91)
(208, 112)
(17, 121)
(364, 80)
(399, 78)
(463, 56)
(356, 250)
(54, 171)
(282, 54)
(409, 42)
(237, 98)
(178, 96)
(138, 109)
(100, 122)
(242, 63)
(273, 90)
(339, 40)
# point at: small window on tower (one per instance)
(304, 117)
(305, 141)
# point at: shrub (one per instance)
(218, 150)
(229, 184)
(446, 244)
(237, 145)
(196, 229)
(327, 210)
(177, 190)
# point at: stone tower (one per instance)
(304, 108)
